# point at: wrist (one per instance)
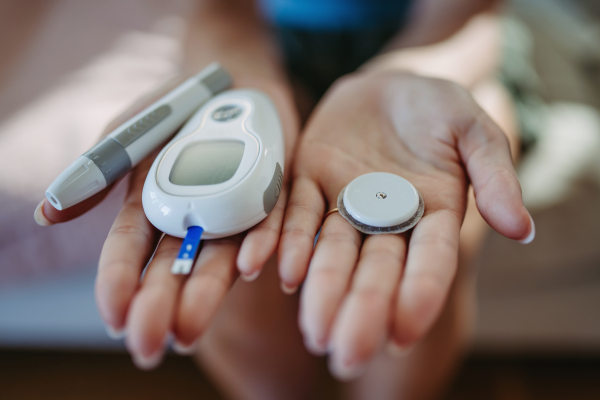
(374, 78)
(416, 62)
(231, 33)
(404, 61)
(468, 57)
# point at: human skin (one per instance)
(424, 370)
(361, 292)
(163, 303)
(417, 113)
(227, 32)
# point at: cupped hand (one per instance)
(363, 292)
(160, 303)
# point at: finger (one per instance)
(430, 269)
(153, 308)
(126, 251)
(261, 241)
(486, 153)
(211, 279)
(45, 214)
(303, 218)
(363, 323)
(327, 281)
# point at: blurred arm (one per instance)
(457, 40)
(232, 32)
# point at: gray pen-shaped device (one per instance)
(126, 146)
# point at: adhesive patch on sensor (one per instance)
(381, 202)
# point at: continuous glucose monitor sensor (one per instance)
(220, 175)
(381, 202)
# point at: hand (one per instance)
(362, 292)
(162, 302)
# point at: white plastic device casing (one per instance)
(381, 199)
(381, 203)
(230, 207)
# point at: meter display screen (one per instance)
(207, 163)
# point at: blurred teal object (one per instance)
(335, 14)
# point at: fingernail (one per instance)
(115, 334)
(330, 347)
(349, 371)
(250, 277)
(395, 350)
(39, 216)
(288, 289)
(184, 350)
(317, 349)
(147, 363)
(531, 235)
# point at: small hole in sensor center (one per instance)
(52, 199)
(381, 195)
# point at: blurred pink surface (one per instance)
(82, 64)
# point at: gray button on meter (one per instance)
(227, 113)
(381, 202)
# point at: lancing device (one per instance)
(126, 146)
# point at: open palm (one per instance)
(361, 292)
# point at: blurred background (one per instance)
(67, 67)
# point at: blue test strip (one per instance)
(189, 249)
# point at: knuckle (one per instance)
(218, 281)
(131, 230)
(434, 282)
(384, 255)
(302, 211)
(295, 233)
(166, 253)
(133, 201)
(115, 274)
(267, 228)
(433, 240)
(340, 237)
(326, 274)
(371, 294)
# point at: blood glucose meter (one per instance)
(222, 173)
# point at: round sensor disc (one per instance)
(381, 202)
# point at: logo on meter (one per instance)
(226, 113)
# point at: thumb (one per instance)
(45, 214)
(485, 152)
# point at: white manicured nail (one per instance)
(39, 216)
(397, 351)
(288, 289)
(348, 372)
(314, 348)
(116, 334)
(531, 235)
(147, 363)
(250, 277)
(184, 350)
